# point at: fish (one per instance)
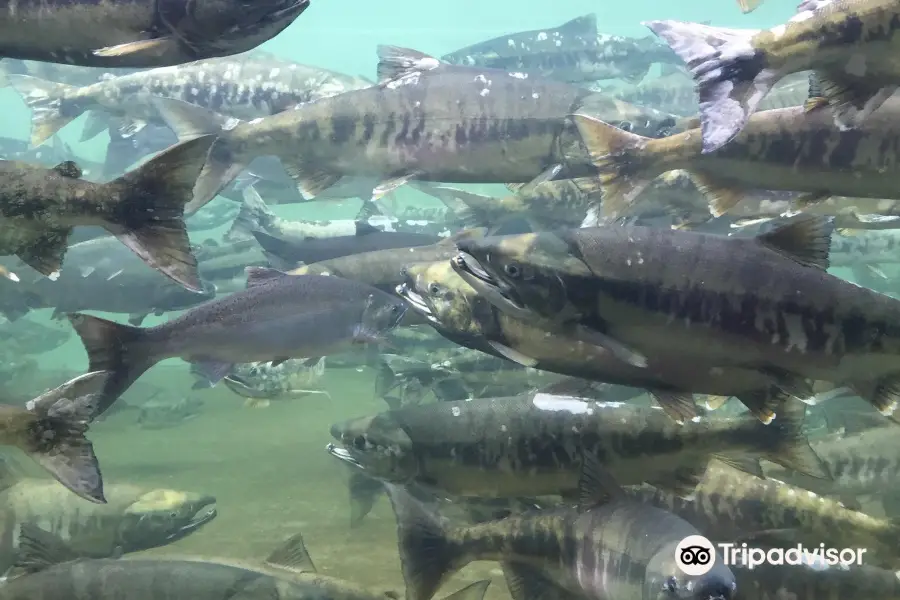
(277, 317)
(637, 291)
(729, 505)
(140, 35)
(260, 383)
(384, 268)
(604, 549)
(143, 209)
(462, 315)
(256, 216)
(811, 582)
(102, 274)
(51, 429)
(847, 45)
(162, 414)
(295, 554)
(573, 52)
(244, 89)
(535, 445)
(49, 570)
(134, 518)
(786, 149)
(30, 337)
(462, 115)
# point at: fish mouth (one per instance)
(497, 292)
(417, 302)
(342, 454)
(206, 513)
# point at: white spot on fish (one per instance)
(542, 36)
(511, 43)
(519, 75)
(535, 95)
(569, 404)
(274, 73)
(455, 411)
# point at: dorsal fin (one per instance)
(40, 549)
(292, 555)
(262, 275)
(68, 168)
(395, 62)
(805, 239)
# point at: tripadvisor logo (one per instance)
(695, 555)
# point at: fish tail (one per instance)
(748, 5)
(255, 215)
(625, 170)
(364, 492)
(730, 73)
(120, 350)
(149, 217)
(428, 554)
(56, 439)
(189, 121)
(51, 109)
(784, 442)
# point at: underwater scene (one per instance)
(309, 300)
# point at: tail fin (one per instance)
(785, 442)
(189, 121)
(254, 215)
(749, 5)
(730, 74)
(56, 439)
(116, 349)
(428, 555)
(50, 109)
(149, 217)
(617, 155)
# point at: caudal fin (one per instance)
(56, 439)
(730, 74)
(428, 556)
(749, 5)
(254, 215)
(149, 216)
(624, 172)
(50, 109)
(115, 348)
(189, 121)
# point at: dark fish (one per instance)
(614, 549)
(101, 274)
(849, 45)
(276, 318)
(535, 444)
(139, 33)
(763, 302)
(425, 121)
(143, 209)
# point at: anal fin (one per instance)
(311, 181)
(720, 195)
(45, 254)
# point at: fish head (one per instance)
(163, 516)
(381, 314)
(522, 275)
(436, 292)
(378, 444)
(666, 580)
(225, 27)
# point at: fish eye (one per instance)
(359, 442)
(671, 585)
(513, 270)
(173, 514)
(434, 289)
